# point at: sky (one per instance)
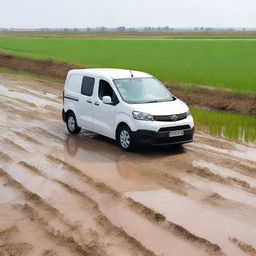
(129, 13)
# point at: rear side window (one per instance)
(74, 83)
(87, 86)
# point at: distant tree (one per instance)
(121, 28)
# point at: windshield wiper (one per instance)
(152, 101)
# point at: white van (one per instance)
(130, 107)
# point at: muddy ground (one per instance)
(201, 96)
(81, 195)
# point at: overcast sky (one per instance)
(130, 13)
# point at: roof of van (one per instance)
(111, 73)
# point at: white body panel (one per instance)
(92, 114)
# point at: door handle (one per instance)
(89, 101)
(96, 103)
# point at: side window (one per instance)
(105, 89)
(87, 86)
(74, 83)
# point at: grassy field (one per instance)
(235, 127)
(221, 63)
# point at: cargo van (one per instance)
(130, 107)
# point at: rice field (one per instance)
(221, 63)
(235, 127)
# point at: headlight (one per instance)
(142, 116)
(189, 113)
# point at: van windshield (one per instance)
(142, 90)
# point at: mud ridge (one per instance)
(247, 248)
(8, 231)
(28, 138)
(32, 197)
(32, 168)
(243, 184)
(22, 113)
(243, 209)
(33, 215)
(77, 192)
(102, 219)
(201, 97)
(102, 187)
(176, 229)
(4, 157)
(171, 183)
(20, 249)
(49, 134)
(207, 174)
(15, 145)
(62, 239)
(145, 211)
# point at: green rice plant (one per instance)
(221, 63)
(236, 127)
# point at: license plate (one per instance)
(176, 133)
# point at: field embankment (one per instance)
(196, 97)
(133, 34)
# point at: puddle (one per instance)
(102, 159)
(26, 97)
(200, 219)
(235, 127)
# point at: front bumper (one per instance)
(161, 137)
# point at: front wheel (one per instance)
(126, 138)
(72, 126)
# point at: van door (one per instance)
(85, 103)
(104, 114)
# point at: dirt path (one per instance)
(81, 195)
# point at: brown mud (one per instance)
(81, 195)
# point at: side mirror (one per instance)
(107, 100)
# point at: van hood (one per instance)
(162, 108)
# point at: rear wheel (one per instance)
(126, 138)
(72, 126)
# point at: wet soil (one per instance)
(81, 195)
(202, 96)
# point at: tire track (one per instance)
(139, 208)
(247, 248)
(93, 207)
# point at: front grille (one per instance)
(186, 137)
(174, 128)
(171, 118)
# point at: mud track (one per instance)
(211, 98)
(81, 195)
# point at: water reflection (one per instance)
(102, 159)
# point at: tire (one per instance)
(72, 126)
(126, 138)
